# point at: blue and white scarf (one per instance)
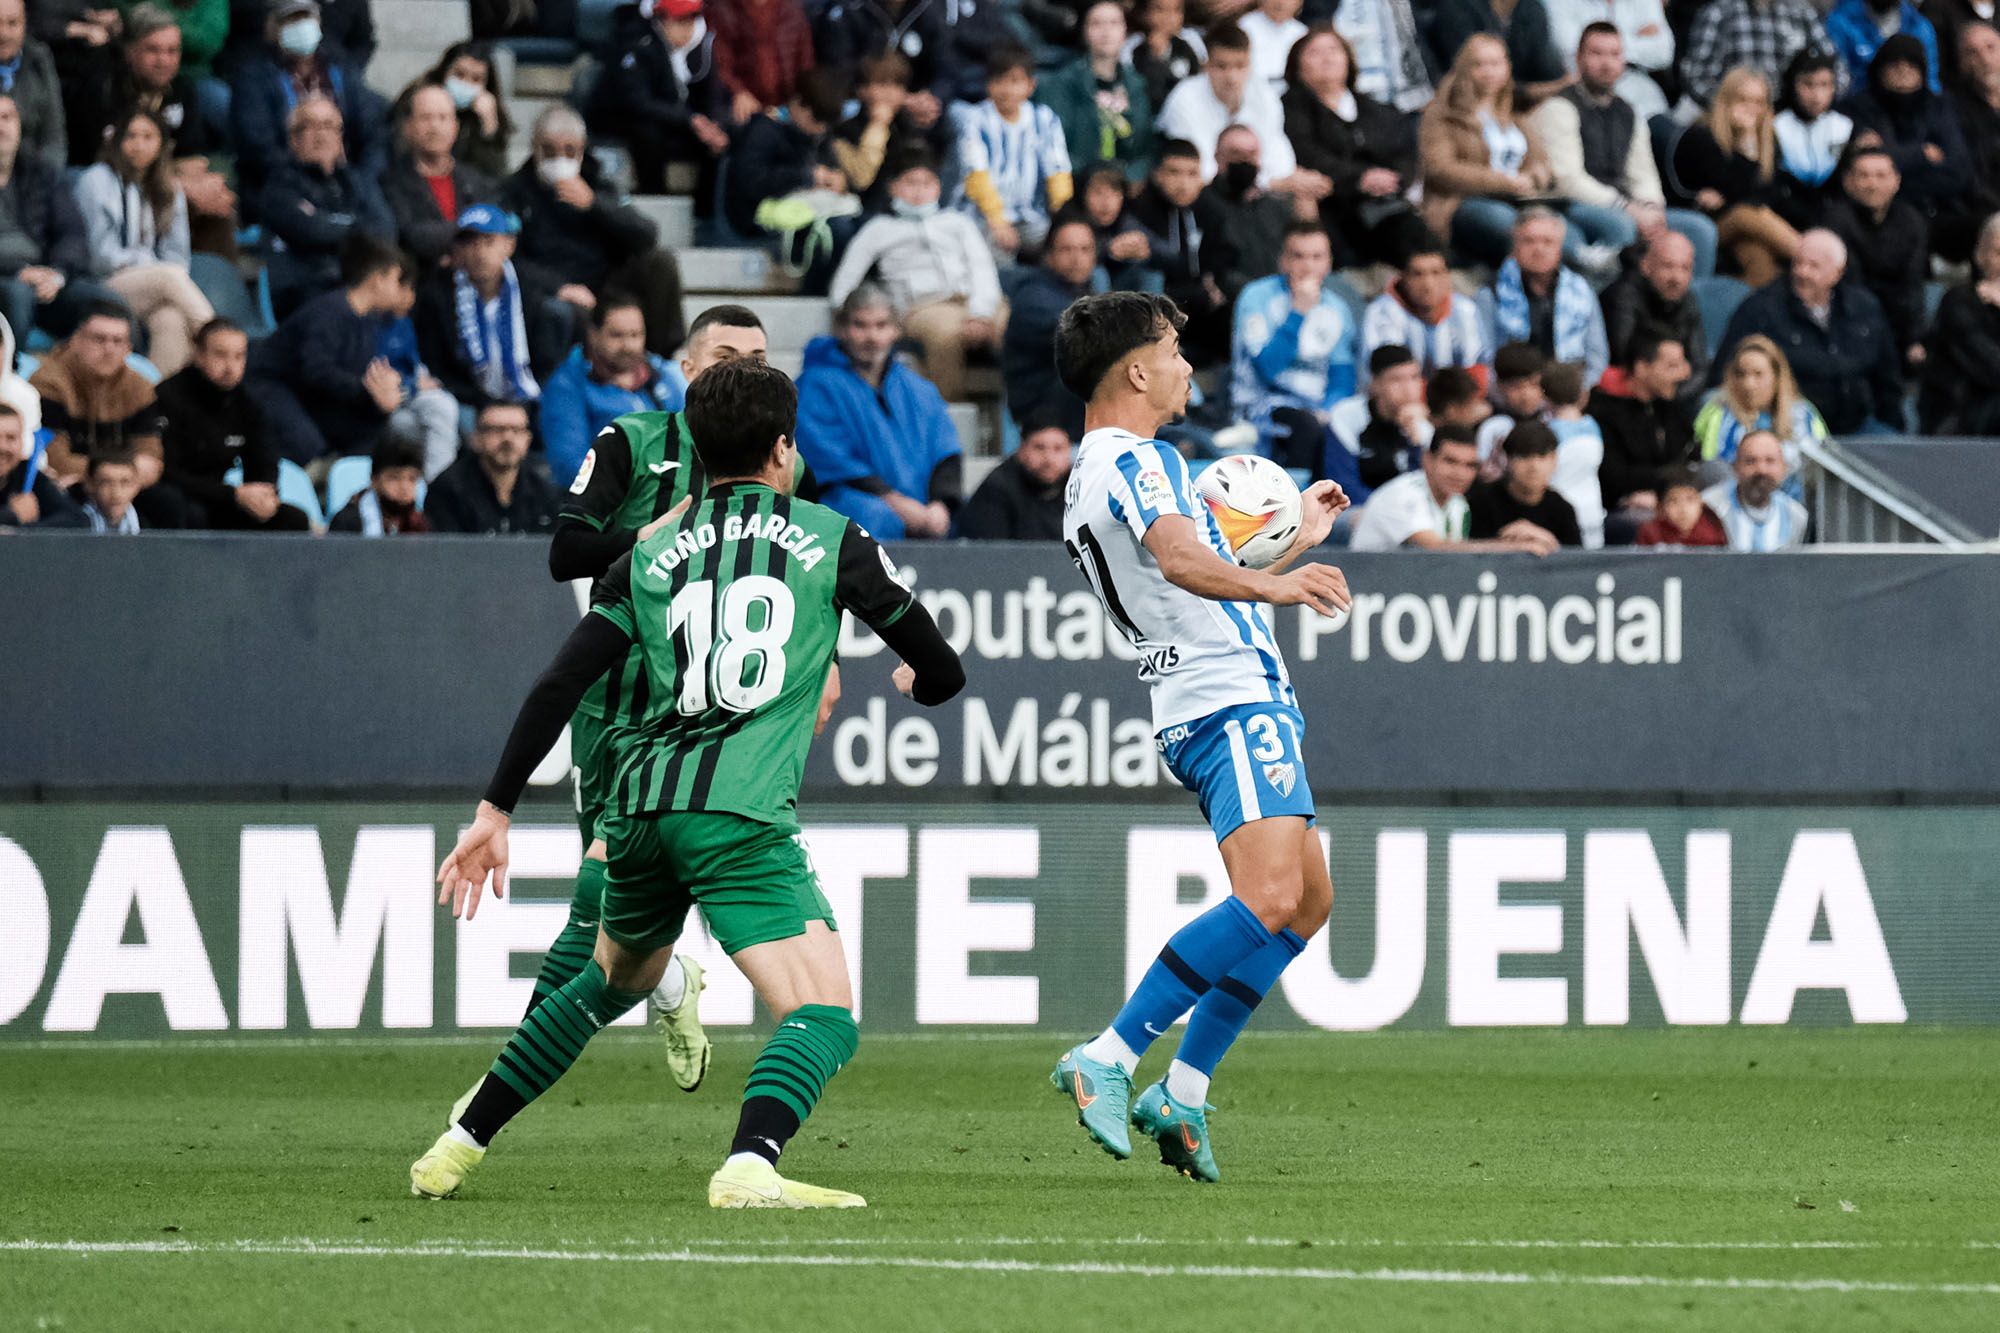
(1576, 308)
(496, 349)
(128, 526)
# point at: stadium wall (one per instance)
(275, 667)
(201, 919)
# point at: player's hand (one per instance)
(829, 698)
(905, 677)
(1322, 503)
(481, 852)
(666, 518)
(1322, 587)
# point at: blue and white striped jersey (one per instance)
(1019, 156)
(1198, 656)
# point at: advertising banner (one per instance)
(196, 919)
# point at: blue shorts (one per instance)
(1244, 762)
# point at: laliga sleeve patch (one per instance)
(1155, 491)
(582, 482)
(889, 568)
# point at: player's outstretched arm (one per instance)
(1187, 562)
(868, 586)
(592, 648)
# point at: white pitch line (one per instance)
(1015, 1267)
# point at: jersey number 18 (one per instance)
(738, 665)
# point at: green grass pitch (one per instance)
(1719, 1179)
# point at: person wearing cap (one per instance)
(312, 203)
(427, 186)
(665, 97)
(288, 68)
(577, 238)
(489, 331)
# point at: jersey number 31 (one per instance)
(740, 664)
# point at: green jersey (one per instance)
(735, 609)
(639, 467)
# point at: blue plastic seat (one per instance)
(1718, 298)
(347, 478)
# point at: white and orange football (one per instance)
(1256, 504)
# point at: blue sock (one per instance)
(1199, 955)
(1220, 1016)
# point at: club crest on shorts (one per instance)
(1281, 776)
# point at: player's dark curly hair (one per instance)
(736, 411)
(1098, 332)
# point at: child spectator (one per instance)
(938, 272)
(29, 497)
(487, 490)
(1016, 159)
(108, 489)
(1519, 397)
(210, 424)
(93, 403)
(1579, 449)
(388, 508)
(429, 414)
(667, 95)
(1101, 100)
(883, 130)
(774, 157)
(137, 220)
(1684, 518)
(1455, 397)
(1123, 246)
(1811, 137)
(1165, 51)
(1522, 505)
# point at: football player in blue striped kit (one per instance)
(1224, 715)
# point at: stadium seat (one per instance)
(1718, 298)
(222, 283)
(147, 370)
(347, 478)
(295, 488)
(594, 25)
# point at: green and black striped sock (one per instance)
(543, 1048)
(578, 941)
(791, 1073)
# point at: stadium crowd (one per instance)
(1622, 259)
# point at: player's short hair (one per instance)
(363, 256)
(1518, 361)
(1226, 36)
(1007, 57)
(1529, 439)
(1387, 357)
(1450, 386)
(1562, 383)
(393, 453)
(736, 411)
(724, 317)
(612, 302)
(1451, 432)
(1098, 332)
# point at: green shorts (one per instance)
(590, 753)
(752, 881)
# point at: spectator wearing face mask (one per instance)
(466, 72)
(938, 271)
(1922, 134)
(286, 69)
(1252, 218)
(428, 186)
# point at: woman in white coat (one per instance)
(137, 221)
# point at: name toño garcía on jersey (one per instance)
(789, 537)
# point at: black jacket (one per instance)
(848, 32)
(1891, 258)
(1641, 441)
(1491, 507)
(436, 321)
(94, 106)
(560, 244)
(1386, 453)
(310, 214)
(461, 499)
(1255, 228)
(1631, 304)
(1010, 505)
(1907, 124)
(1848, 370)
(58, 510)
(1700, 163)
(1379, 137)
(640, 95)
(1182, 253)
(261, 100)
(320, 352)
(769, 159)
(1961, 394)
(422, 229)
(47, 211)
(1027, 358)
(207, 431)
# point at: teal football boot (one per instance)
(1181, 1131)
(1103, 1094)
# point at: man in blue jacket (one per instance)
(875, 433)
(1294, 351)
(289, 67)
(610, 374)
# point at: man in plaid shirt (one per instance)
(1763, 34)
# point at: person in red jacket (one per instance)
(761, 48)
(1684, 519)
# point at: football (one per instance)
(1256, 504)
